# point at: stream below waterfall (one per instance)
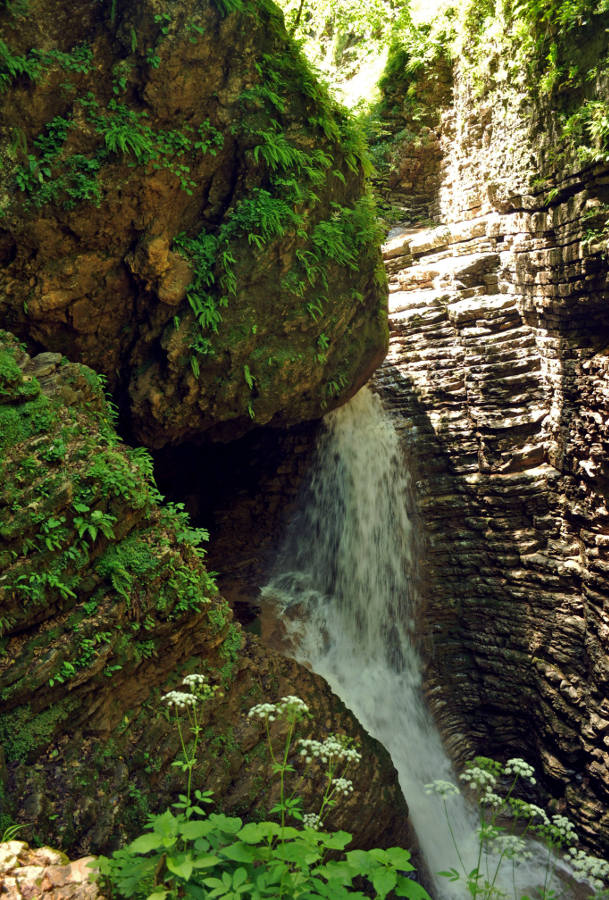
(342, 585)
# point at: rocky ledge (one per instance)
(44, 874)
(497, 374)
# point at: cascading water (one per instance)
(343, 586)
(348, 564)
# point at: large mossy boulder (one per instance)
(106, 604)
(183, 208)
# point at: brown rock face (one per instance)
(105, 604)
(497, 375)
(183, 210)
(44, 874)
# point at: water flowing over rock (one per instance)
(344, 589)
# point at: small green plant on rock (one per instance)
(194, 855)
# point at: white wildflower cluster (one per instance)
(179, 699)
(333, 750)
(531, 811)
(563, 829)
(195, 680)
(520, 768)
(342, 786)
(311, 820)
(289, 704)
(263, 711)
(441, 788)
(511, 847)
(479, 779)
(292, 704)
(489, 798)
(594, 870)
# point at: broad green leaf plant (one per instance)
(188, 853)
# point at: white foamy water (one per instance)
(343, 586)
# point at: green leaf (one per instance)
(195, 828)
(298, 852)
(406, 887)
(359, 861)
(204, 862)
(399, 858)
(338, 840)
(147, 842)
(239, 877)
(452, 875)
(254, 832)
(180, 865)
(240, 852)
(384, 880)
(227, 824)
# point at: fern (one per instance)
(227, 7)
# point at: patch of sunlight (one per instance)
(362, 86)
(425, 10)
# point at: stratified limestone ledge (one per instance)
(497, 373)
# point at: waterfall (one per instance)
(343, 587)
(343, 584)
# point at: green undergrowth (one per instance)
(557, 53)
(93, 562)
(420, 55)
(283, 206)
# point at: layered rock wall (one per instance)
(497, 375)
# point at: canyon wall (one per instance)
(497, 375)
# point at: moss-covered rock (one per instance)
(183, 208)
(105, 604)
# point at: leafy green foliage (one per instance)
(14, 65)
(35, 63)
(191, 854)
(68, 507)
(285, 207)
(336, 32)
(219, 856)
(559, 50)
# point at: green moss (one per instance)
(229, 652)
(24, 734)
